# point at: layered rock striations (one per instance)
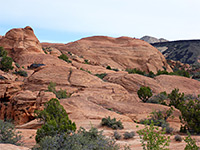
(120, 53)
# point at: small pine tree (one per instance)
(144, 93)
(55, 119)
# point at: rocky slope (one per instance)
(120, 53)
(151, 39)
(185, 51)
(91, 98)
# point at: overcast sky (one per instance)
(70, 20)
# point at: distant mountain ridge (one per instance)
(185, 51)
(151, 39)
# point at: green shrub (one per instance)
(85, 70)
(3, 53)
(6, 64)
(86, 61)
(82, 140)
(112, 123)
(17, 65)
(151, 74)
(190, 112)
(117, 136)
(144, 93)
(135, 70)
(101, 76)
(59, 94)
(8, 133)
(176, 98)
(191, 143)
(178, 138)
(152, 138)
(108, 67)
(129, 135)
(162, 72)
(21, 73)
(55, 119)
(65, 58)
(158, 99)
(160, 119)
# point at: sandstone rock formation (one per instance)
(120, 53)
(91, 97)
(21, 41)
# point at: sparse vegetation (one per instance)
(135, 70)
(159, 118)
(82, 140)
(144, 93)
(117, 136)
(59, 94)
(8, 133)
(158, 99)
(17, 65)
(86, 61)
(112, 123)
(129, 135)
(178, 72)
(21, 73)
(85, 70)
(178, 138)
(101, 76)
(5, 61)
(55, 120)
(108, 67)
(152, 138)
(65, 58)
(191, 143)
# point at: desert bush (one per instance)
(55, 119)
(8, 133)
(168, 129)
(85, 70)
(3, 52)
(17, 65)
(190, 143)
(150, 74)
(86, 61)
(82, 140)
(158, 99)
(144, 93)
(135, 71)
(112, 123)
(6, 64)
(108, 67)
(176, 98)
(21, 73)
(59, 94)
(190, 112)
(159, 118)
(101, 76)
(178, 138)
(65, 58)
(129, 135)
(117, 136)
(152, 138)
